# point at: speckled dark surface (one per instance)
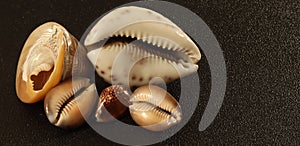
(260, 41)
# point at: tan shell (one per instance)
(45, 60)
(154, 47)
(154, 108)
(113, 103)
(67, 110)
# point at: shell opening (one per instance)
(67, 102)
(41, 79)
(158, 109)
(145, 49)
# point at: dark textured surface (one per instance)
(260, 41)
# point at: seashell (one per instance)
(67, 104)
(141, 44)
(154, 108)
(113, 103)
(47, 58)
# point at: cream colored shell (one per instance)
(129, 63)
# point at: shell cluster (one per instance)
(128, 47)
(45, 71)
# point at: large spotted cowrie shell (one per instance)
(131, 45)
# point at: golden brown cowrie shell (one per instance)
(45, 60)
(154, 108)
(113, 103)
(67, 104)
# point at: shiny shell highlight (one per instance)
(131, 45)
(113, 103)
(46, 59)
(154, 108)
(67, 104)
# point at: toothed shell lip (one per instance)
(154, 108)
(113, 25)
(174, 113)
(67, 104)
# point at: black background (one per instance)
(260, 42)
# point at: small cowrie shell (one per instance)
(112, 104)
(67, 104)
(154, 108)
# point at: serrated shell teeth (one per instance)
(149, 39)
(159, 42)
(139, 35)
(154, 108)
(144, 39)
(133, 34)
(154, 42)
(165, 44)
(127, 34)
(121, 33)
(146, 30)
(63, 110)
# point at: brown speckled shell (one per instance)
(113, 102)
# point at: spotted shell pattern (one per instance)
(133, 64)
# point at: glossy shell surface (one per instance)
(46, 59)
(131, 45)
(113, 103)
(154, 108)
(67, 104)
